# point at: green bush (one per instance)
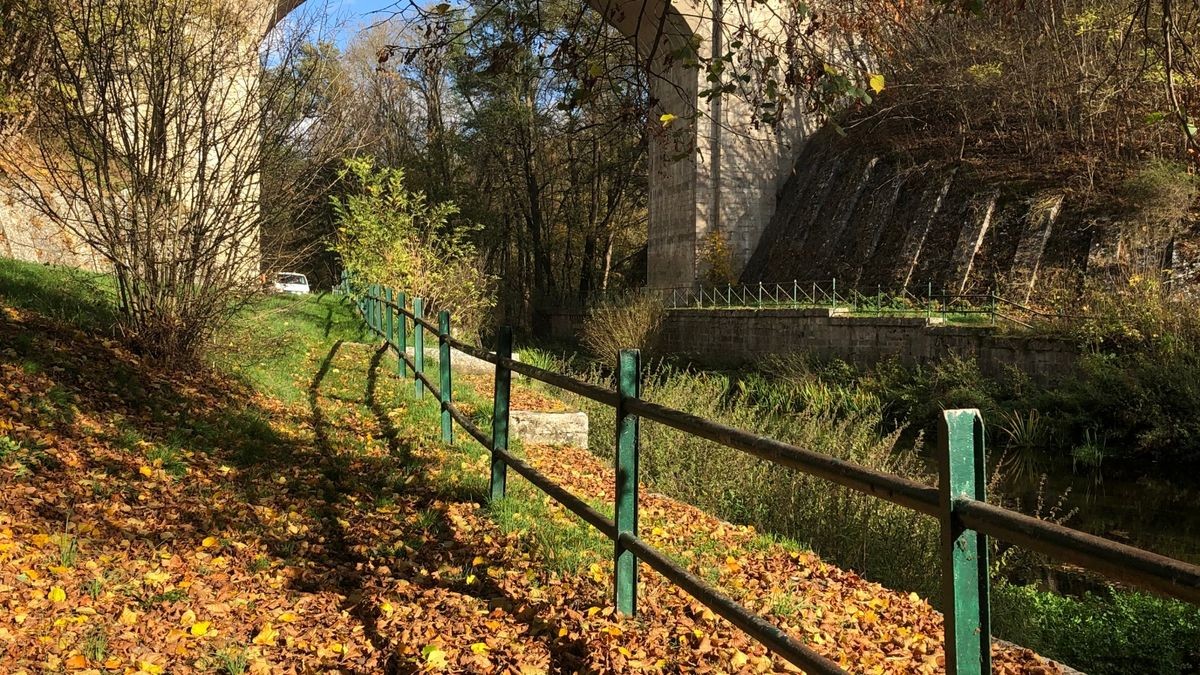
(390, 235)
(1114, 635)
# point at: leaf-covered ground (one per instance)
(182, 522)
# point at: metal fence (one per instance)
(929, 301)
(959, 502)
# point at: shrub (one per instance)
(390, 235)
(716, 260)
(632, 321)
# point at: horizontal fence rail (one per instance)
(959, 501)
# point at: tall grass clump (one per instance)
(631, 321)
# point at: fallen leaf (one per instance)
(266, 636)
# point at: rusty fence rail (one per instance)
(958, 502)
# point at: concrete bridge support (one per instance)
(713, 171)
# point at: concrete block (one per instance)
(542, 428)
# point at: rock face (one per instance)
(544, 428)
(872, 217)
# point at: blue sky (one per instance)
(356, 14)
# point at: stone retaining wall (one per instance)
(740, 336)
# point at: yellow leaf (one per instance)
(290, 617)
(479, 647)
(200, 628)
(150, 668)
(57, 594)
(156, 577)
(667, 118)
(479, 560)
(146, 471)
(337, 648)
(128, 617)
(470, 579)
(209, 542)
(266, 636)
(612, 630)
(877, 82)
(436, 658)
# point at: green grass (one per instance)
(268, 343)
(69, 295)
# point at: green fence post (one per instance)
(964, 553)
(418, 345)
(629, 385)
(375, 307)
(390, 324)
(501, 388)
(444, 371)
(367, 305)
(402, 344)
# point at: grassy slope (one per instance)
(302, 513)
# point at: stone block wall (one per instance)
(733, 337)
(26, 234)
